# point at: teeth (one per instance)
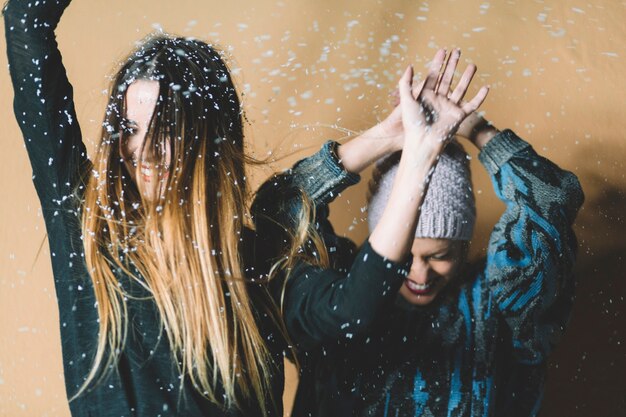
(417, 287)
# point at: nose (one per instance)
(419, 271)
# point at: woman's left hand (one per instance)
(432, 117)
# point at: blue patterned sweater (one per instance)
(481, 348)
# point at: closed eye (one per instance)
(440, 256)
(128, 127)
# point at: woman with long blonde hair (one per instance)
(162, 289)
(161, 311)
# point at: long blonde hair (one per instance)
(185, 247)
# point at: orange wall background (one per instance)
(309, 71)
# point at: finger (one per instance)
(405, 84)
(394, 98)
(417, 89)
(408, 106)
(448, 73)
(478, 99)
(430, 82)
(461, 88)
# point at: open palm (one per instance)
(432, 112)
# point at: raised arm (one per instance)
(385, 137)
(320, 303)
(533, 247)
(43, 102)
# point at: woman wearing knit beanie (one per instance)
(328, 292)
(461, 339)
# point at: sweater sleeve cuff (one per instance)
(321, 176)
(500, 149)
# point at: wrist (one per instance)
(483, 134)
(388, 141)
(417, 161)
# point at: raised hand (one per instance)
(389, 135)
(433, 115)
(391, 127)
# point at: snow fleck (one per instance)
(559, 33)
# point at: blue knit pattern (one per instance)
(481, 349)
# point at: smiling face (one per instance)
(435, 263)
(141, 163)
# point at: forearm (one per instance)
(541, 204)
(361, 151)
(532, 249)
(322, 304)
(39, 15)
(527, 179)
(43, 101)
(322, 175)
(394, 233)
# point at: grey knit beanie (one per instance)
(448, 210)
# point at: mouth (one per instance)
(419, 289)
(146, 173)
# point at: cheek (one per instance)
(446, 269)
(168, 156)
